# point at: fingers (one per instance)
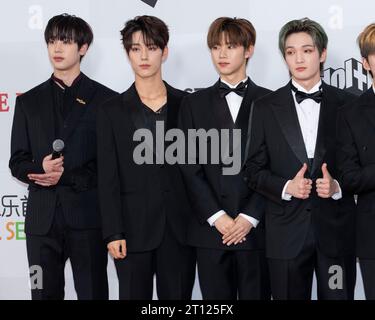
(45, 179)
(117, 249)
(302, 172)
(123, 249)
(304, 189)
(238, 233)
(325, 172)
(48, 158)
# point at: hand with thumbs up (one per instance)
(326, 187)
(300, 187)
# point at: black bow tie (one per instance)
(240, 89)
(301, 96)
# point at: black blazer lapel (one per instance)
(286, 115)
(327, 116)
(173, 107)
(85, 94)
(45, 103)
(221, 109)
(367, 104)
(133, 107)
(242, 121)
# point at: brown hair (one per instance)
(366, 41)
(236, 30)
(154, 31)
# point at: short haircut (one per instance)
(311, 27)
(366, 41)
(66, 27)
(154, 31)
(236, 30)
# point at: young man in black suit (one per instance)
(63, 218)
(144, 206)
(356, 157)
(292, 162)
(225, 230)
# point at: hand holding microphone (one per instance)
(53, 166)
(54, 162)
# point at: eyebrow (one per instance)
(304, 46)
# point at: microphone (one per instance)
(57, 146)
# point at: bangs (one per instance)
(233, 31)
(62, 33)
(70, 29)
(153, 30)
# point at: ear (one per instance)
(165, 53)
(323, 56)
(83, 50)
(366, 65)
(249, 52)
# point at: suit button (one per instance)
(308, 209)
(245, 179)
(364, 148)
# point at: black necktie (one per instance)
(240, 89)
(301, 96)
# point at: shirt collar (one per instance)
(373, 88)
(231, 85)
(61, 83)
(313, 89)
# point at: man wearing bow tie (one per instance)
(309, 220)
(227, 229)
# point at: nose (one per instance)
(223, 52)
(144, 54)
(57, 46)
(299, 57)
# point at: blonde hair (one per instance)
(366, 41)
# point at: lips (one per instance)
(300, 69)
(145, 66)
(223, 64)
(58, 59)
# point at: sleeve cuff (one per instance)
(337, 195)
(252, 220)
(213, 218)
(115, 237)
(286, 196)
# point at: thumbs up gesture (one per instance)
(300, 187)
(326, 187)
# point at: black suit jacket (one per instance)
(34, 130)
(277, 153)
(356, 159)
(138, 201)
(209, 190)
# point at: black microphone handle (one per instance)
(56, 155)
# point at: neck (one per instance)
(308, 84)
(67, 76)
(149, 87)
(234, 78)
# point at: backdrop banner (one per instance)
(24, 64)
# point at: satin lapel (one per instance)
(327, 114)
(242, 121)
(286, 115)
(85, 94)
(220, 110)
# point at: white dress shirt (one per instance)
(234, 103)
(308, 117)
